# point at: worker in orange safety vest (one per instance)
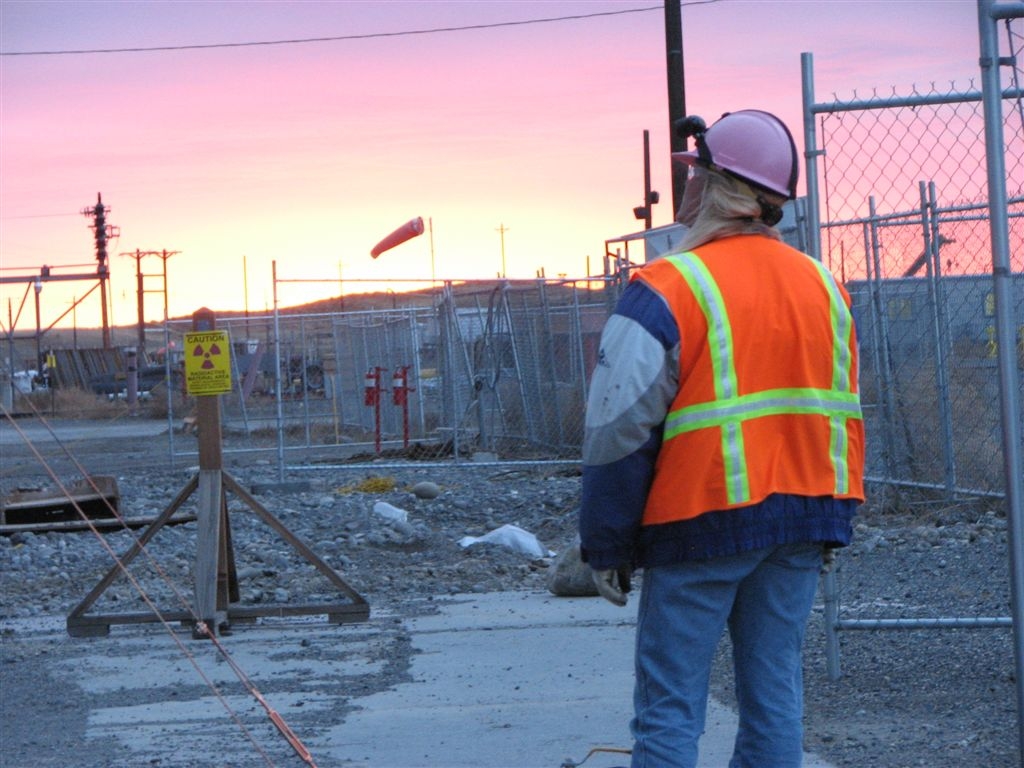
(724, 450)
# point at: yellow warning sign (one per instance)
(207, 362)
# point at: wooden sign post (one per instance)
(207, 375)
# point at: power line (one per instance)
(39, 216)
(343, 38)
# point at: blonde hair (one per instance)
(728, 207)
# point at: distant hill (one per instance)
(380, 300)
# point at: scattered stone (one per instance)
(571, 577)
(390, 511)
(917, 565)
(426, 490)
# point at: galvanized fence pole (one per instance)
(945, 344)
(417, 370)
(168, 377)
(1005, 331)
(830, 591)
(304, 378)
(873, 266)
(237, 375)
(335, 380)
(811, 153)
(580, 355)
(277, 376)
(550, 361)
(929, 229)
(449, 325)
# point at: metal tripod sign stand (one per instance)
(216, 581)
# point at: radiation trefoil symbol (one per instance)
(206, 354)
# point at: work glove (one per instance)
(612, 584)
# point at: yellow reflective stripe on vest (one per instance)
(842, 328)
(729, 410)
(770, 402)
(705, 290)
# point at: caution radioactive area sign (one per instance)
(207, 362)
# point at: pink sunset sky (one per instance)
(309, 153)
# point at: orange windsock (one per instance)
(405, 232)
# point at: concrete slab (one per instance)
(523, 680)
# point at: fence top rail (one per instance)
(1006, 11)
(454, 281)
(981, 278)
(914, 100)
(289, 315)
(913, 216)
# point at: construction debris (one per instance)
(95, 498)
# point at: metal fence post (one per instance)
(886, 384)
(1005, 331)
(277, 377)
(811, 153)
(929, 229)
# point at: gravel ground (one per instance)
(937, 698)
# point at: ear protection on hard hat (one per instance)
(694, 125)
(771, 214)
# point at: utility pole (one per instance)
(98, 213)
(501, 230)
(140, 306)
(141, 290)
(139, 297)
(651, 197)
(164, 256)
(676, 95)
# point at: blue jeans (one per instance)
(765, 598)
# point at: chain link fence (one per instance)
(490, 371)
(906, 229)
(905, 224)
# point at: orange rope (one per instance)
(201, 627)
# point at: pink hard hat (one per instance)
(754, 146)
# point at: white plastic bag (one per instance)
(511, 536)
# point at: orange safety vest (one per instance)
(767, 400)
